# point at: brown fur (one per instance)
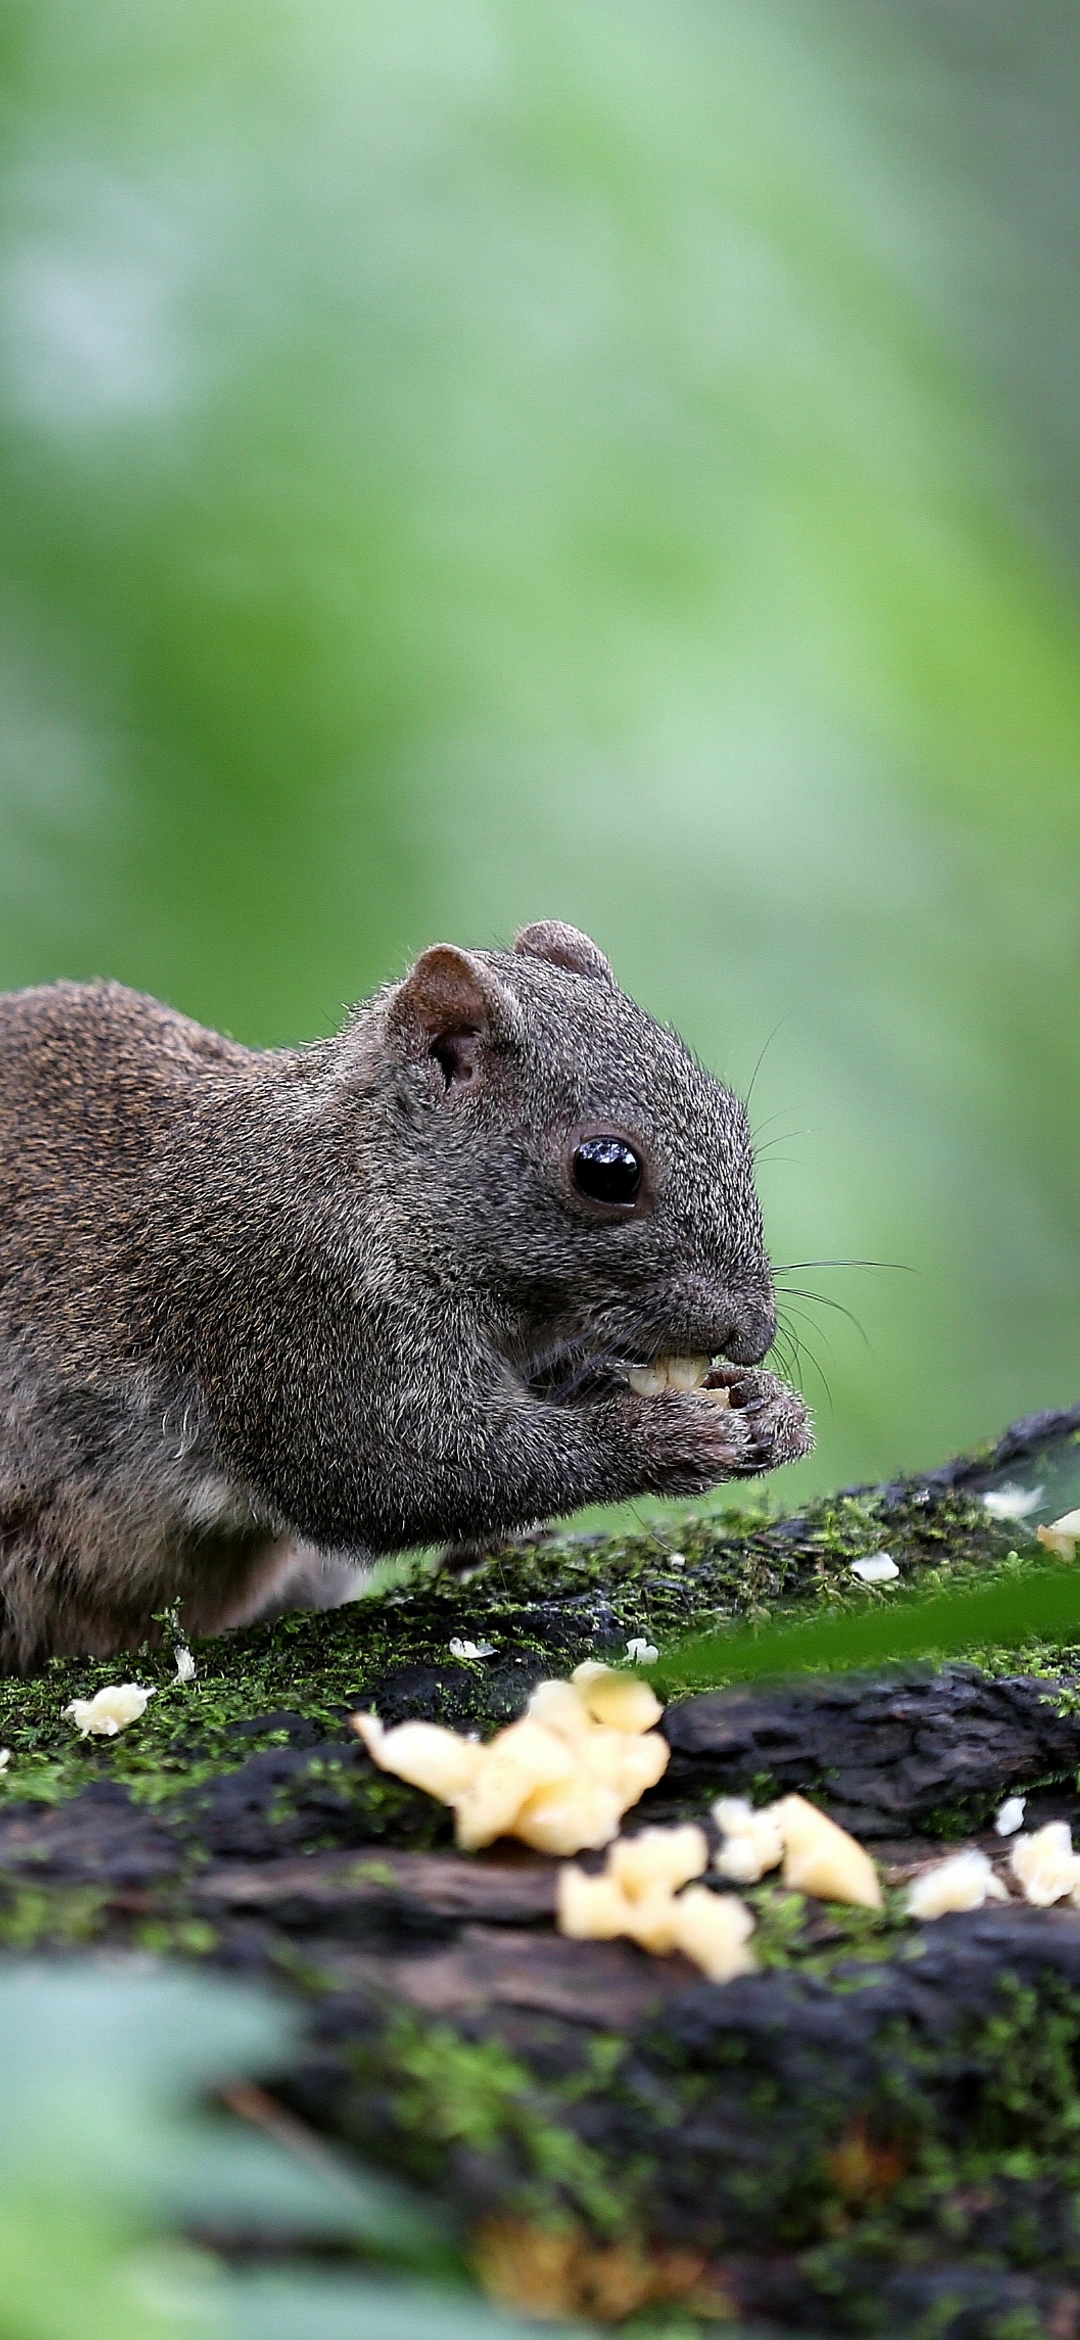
(345, 1294)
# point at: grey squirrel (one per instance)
(435, 1278)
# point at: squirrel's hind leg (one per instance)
(308, 1579)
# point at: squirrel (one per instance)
(434, 1279)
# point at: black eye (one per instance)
(607, 1170)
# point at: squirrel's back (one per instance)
(92, 1076)
(96, 1056)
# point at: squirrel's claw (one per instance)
(691, 1443)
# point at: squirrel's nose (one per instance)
(714, 1319)
(751, 1328)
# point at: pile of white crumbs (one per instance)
(562, 1777)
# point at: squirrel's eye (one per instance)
(607, 1170)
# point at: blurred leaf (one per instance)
(103, 2145)
(328, 2309)
(1007, 1612)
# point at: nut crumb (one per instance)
(109, 1711)
(1045, 1865)
(753, 1840)
(964, 1881)
(560, 1778)
(638, 1896)
(822, 1859)
(1061, 1535)
(819, 1857)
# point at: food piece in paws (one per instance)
(668, 1373)
(774, 1418)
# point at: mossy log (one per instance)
(878, 2131)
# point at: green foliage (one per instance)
(62, 1917)
(1018, 2129)
(457, 468)
(104, 2150)
(1001, 1615)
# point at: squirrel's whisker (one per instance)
(822, 1300)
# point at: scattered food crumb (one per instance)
(1013, 1502)
(880, 1568)
(560, 1778)
(472, 1649)
(822, 1859)
(1010, 1817)
(616, 1699)
(1061, 1535)
(641, 1652)
(637, 1895)
(964, 1881)
(753, 1840)
(110, 1711)
(819, 1857)
(659, 1856)
(714, 1929)
(425, 1754)
(1045, 1865)
(590, 1909)
(676, 1559)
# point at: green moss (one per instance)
(382, 1809)
(57, 1917)
(963, 2147)
(445, 2093)
(176, 1937)
(544, 1603)
(813, 1937)
(993, 2171)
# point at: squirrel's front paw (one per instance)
(689, 1440)
(778, 1420)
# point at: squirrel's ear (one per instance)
(565, 946)
(447, 1007)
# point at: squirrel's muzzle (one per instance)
(751, 1331)
(738, 1325)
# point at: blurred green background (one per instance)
(466, 462)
